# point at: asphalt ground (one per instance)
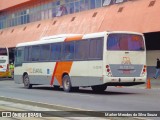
(10, 104)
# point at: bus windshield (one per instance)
(3, 51)
(125, 42)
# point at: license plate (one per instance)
(126, 72)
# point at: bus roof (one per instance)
(127, 32)
(63, 37)
(58, 36)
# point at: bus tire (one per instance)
(66, 82)
(26, 82)
(99, 88)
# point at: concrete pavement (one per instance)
(21, 105)
(23, 109)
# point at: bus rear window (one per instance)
(3, 51)
(127, 42)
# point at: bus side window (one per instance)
(26, 54)
(81, 49)
(44, 52)
(35, 53)
(100, 48)
(68, 51)
(55, 51)
(96, 48)
(19, 57)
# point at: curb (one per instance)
(77, 111)
(39, 104)
(66, 110)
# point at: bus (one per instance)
(95, 60)
(4, 62)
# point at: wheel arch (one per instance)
(65, 73)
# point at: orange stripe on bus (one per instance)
(60, 69)
(63, 67)
(78, 37)
(52, 80)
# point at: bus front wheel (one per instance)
(66, 83)
(99, 88)
(27, 82)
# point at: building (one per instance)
(29, 20)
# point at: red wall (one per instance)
(135, 16)
(4, 4)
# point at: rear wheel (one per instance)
(99, 88)
(26, 82)
(67, 87)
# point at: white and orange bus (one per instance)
(94, 60)
(4, 62)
